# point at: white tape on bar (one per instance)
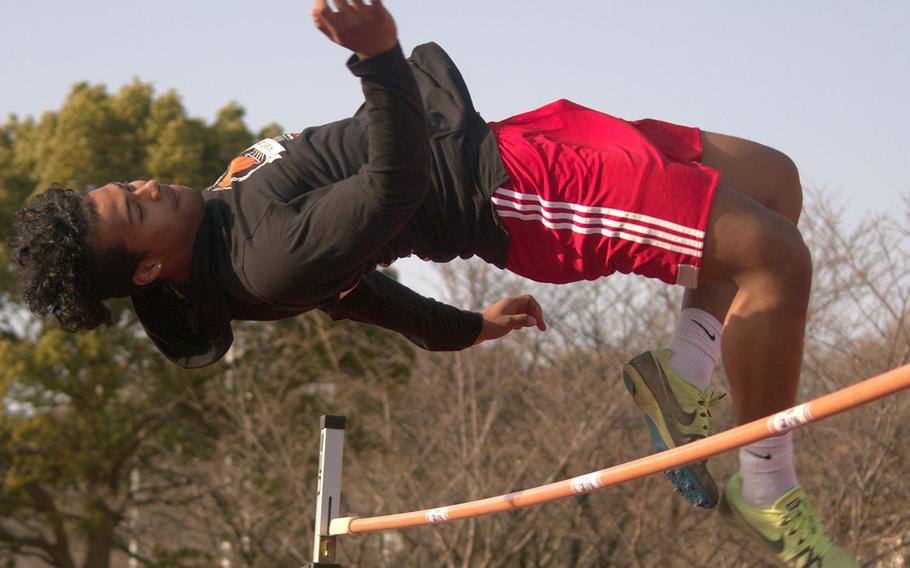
(340, 526)
(585, 483)
(438, 515)
(789, 419)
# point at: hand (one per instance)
(365, 29)
(514, 312)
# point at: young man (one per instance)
(558, 194)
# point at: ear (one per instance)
(147, 271)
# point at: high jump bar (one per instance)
(845, 399)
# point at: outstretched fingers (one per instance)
(320, 12)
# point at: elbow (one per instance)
(402, 186)
(417, 180)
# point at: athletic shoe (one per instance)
(789, 529)
(676, 413)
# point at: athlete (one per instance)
(558, 194)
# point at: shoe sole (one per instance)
(693, 481)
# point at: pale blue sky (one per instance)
(826, 81)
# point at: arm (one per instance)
(435, 326)
(398, 136)
(383, 301)
(319, 243)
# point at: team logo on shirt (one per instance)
(259, 154)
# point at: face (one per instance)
(146, 216)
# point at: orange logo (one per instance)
(238, 165)
(259, 154)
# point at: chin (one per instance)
(188, 195)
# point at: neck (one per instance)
(180, 265)
(181, 268)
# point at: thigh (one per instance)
(766, 175)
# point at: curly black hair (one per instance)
(60, 270)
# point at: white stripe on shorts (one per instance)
(613, 223)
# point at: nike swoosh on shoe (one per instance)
(667, 399)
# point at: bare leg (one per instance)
(760, 254)
(771, 179)
(755, 277)
(755, 254)
(764, 174)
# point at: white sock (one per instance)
(696, 346)
(768, 470)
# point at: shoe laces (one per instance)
(706, 401)
(802, 522)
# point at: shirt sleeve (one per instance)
(319, 243)
(429, 324)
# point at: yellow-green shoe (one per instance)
(676, 413)
(789, 529)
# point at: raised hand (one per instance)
(365, 29)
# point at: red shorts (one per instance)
(591, 194)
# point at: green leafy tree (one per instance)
(218, 451)
(81, 411)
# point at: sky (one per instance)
(826, 81)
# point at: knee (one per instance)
(784, 176)
(784, 256)
(797, 262)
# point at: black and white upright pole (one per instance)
(328, 493)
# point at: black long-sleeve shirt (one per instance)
(302, 221)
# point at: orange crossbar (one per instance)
(823, 407)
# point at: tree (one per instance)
(226, 457)
(254, 490)
(81, 411)
(532, 409)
